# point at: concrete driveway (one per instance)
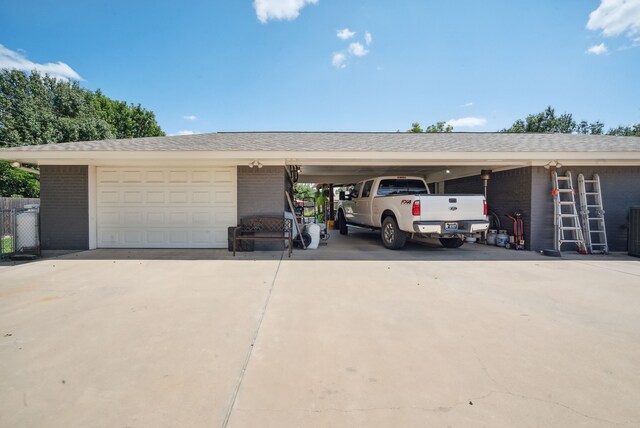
(199, 339)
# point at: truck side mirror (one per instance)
(341, 195)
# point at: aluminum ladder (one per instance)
(592, 212)
(567, 227)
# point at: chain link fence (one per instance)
(20, 231)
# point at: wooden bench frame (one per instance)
(267, 228)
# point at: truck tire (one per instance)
(451, 242)
(342, 224)
(392, 237)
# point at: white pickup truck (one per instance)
(401, 207)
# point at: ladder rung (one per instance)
(591, 193)
(571, 228)
(565, 190)
(567, 203)
(596, 218)
(561, 178)
(572, 240)
(589, 181)
(596, 231)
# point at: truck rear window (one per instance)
(398, 186)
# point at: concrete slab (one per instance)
(447, 343)
(116, 343)
(422, 337)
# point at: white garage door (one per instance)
(165, 207)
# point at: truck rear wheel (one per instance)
(451, 242)
(392, 237)
(342, 224)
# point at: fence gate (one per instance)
(20, 231)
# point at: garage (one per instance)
(185, 191)
(164, 207)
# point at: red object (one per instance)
(484, 208)
(518, 230)
(415, 209)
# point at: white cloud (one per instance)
(339, 60)
(615, 17)
(184, 132)
(190, 117)
(354, 49)
(357, 49)
(367, 38)
(279, 9)
(345, 34)
(597, 49)
(15, 60)
(469, 104)
(467, 122)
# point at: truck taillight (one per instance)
(484, 208)
(415, 209)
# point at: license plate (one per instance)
(451, 226)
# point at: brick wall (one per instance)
(529, 189)
(620, 191)
(64, 207)
(261, 192)
(507, 192)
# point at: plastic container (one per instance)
(502, 238)
(314, 231)
(491, 237)
(27, 230)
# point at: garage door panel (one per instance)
(201, 176)
(131, 176)
(224, 177)
(133, 218)
(108, 176)
(155, 197)
(165, 207)
(178, 176)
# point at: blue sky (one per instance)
(294, 65)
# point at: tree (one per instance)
(437, 127)
(626, 131)
(17, 183)
(548, 122)
(36, 109)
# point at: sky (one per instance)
(338, 65)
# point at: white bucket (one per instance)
(314, 231)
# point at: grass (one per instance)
(6, 245)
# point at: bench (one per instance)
(262, 228)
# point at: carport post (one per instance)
(332, 212)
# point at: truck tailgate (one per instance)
(451, 207)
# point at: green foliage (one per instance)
(304, 191)
(6, 242)
(437, 127)
(415, 127)
(548, 122)
(127, 121)
(14, 182)
(36, 109)
(626, 131)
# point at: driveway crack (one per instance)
(236, 390)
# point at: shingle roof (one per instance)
(356, 142)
